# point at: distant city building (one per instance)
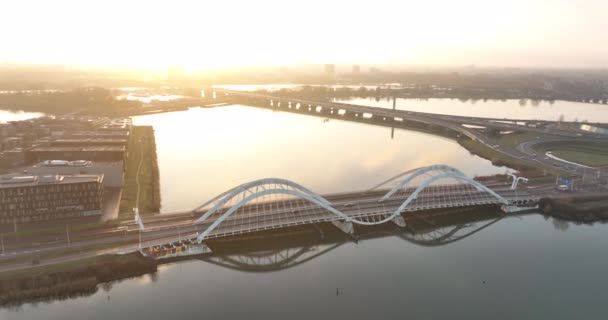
(42, 198)
(113, 172)
(330, 71)
(175, 74)
(356, 69)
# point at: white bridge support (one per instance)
(400, 221)
(515, 209)
(346, 227)
(516, 180)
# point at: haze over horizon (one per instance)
(237, 33)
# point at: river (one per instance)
(511, 109)
(204, 152)
(9, 115)
(517, 268)
(525, 267)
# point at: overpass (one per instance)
(347, 110)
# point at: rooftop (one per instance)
(91, 140)
(77, 148)
(13, 181)
(76, 163)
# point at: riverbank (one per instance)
(577, 208)
(70, 279)
(141, 174)
(500, 159)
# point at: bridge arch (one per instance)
(436, 172)
(249, 195)
(252, 191)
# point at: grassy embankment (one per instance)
(587, 209)
(589, 153)
(141, 174)
(88, 100)
(69, 279)
(501, 159)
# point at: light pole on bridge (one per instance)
(67, 234)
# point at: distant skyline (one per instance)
(220, 34)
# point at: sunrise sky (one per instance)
(233, 33)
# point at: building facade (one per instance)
(113, 172)
(30, 199)
(71, 153)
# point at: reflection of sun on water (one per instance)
(148, 279)
(203, 152)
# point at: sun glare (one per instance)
(204, 35)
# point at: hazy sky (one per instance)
(244, 32)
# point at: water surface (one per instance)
(10, 115)
(512, 109)
(518, 268)
(203, 152)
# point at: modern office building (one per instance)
(113, 172)
(330, 71)
(28, 199)
(104, 153)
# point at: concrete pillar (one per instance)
(398, 220)
(346, 227)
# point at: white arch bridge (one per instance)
(277, 203)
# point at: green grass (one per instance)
(65, 266)
(499, 158)
(142, 145)
(66, 252)
(512, 140)
(589, 153)
(585, 158)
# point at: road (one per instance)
(161, 229)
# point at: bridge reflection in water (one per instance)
(277, 203)
(274, 203)
(279, 249)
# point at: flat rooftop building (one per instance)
(30, 198)
(89, 142)
(71, 153)
(113, 172)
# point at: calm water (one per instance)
(208, 151)
(527, 267)
(532, 268)
(8, 115)
(512, 109)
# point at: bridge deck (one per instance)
(362, 205)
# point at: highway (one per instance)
(391, 118)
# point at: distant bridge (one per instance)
(384, 115)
